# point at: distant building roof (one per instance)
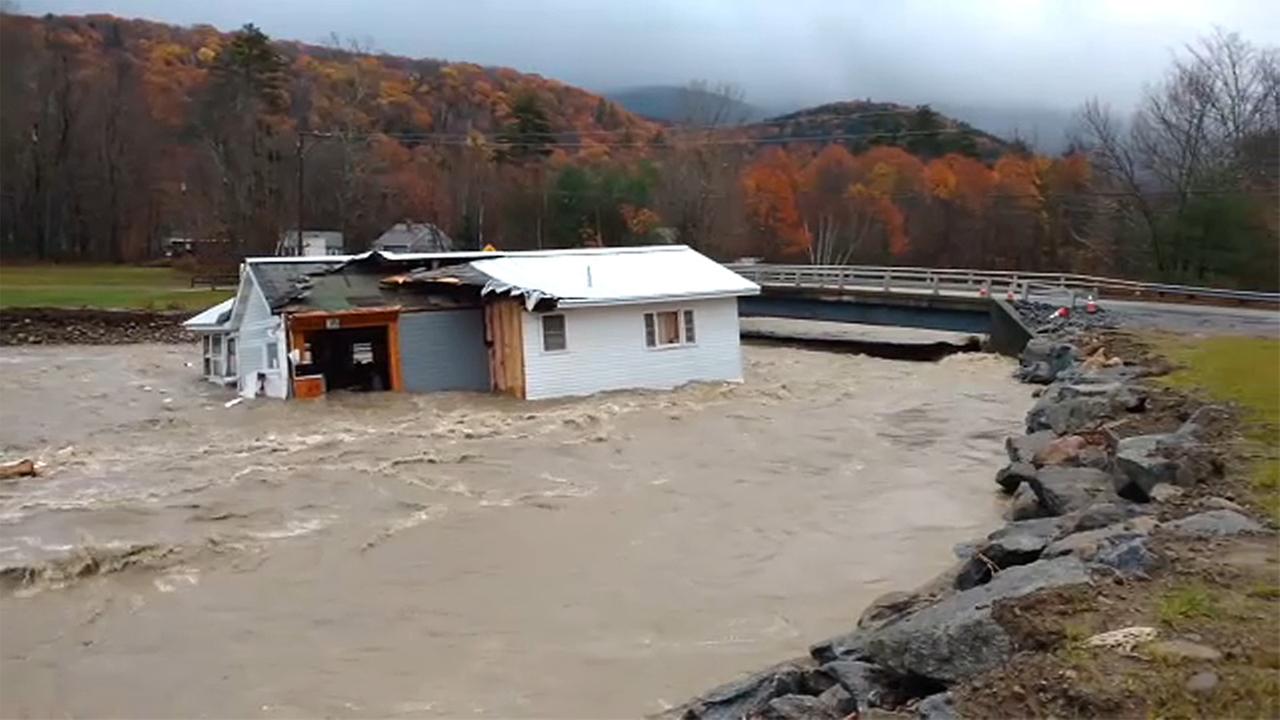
(597, 276)
(214, 318)
(413, 237)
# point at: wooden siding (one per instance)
(505, 337)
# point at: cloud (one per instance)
(1047, 53)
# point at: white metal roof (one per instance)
(212, 318)
(609, 276)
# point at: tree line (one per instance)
(118, 133)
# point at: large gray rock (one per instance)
(936, 707)
(1067, 416)
(1129, 558)
(1045, 527)
(1203, 421)
(957, 637)
(868, 684)
(839, 700)
(1061, 490)
(1144, 461)
(1102, 514)
(1012, 475)
(1214, 523)
(1043, 359)
(797, 707)
(746, 696)
(1087, 544)
(1007, 548)
(1068, 408)
(1025, 504)
(1024, 448)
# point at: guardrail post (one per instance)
(933, 283)
(885, 281)
(840, 279)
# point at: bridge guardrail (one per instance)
(1021, 284)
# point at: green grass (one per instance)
(1185, 603)
(1244, 371)
(103, 286)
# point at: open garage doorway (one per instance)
(354, 350)
(352, 358)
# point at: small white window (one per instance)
(362, 353)
(668, 328)
(553, 336)
(273, 356)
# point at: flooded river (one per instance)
(465, 555)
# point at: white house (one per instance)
(531, 324)
(313, 243)
(591, 320)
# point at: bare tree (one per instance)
(1194, 135)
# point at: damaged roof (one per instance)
(214, 318)
(284, 280)
(596, 276)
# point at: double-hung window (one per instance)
(553, 335)
(669, 328)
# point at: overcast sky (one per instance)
(1051, 53)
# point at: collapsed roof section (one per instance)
(341, 281)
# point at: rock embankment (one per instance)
(59, 326)
(1088, 487)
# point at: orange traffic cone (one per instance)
(1062, 312)
(983, 291)
(1091, 305)
(1009, 295)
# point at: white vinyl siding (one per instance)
(607, 350)
(258, 332)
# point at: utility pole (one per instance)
(300, 148)
(301, 203)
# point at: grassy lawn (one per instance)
(103, 286)
(1244, 371)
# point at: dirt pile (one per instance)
(59, 326)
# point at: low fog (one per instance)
(1017, 54)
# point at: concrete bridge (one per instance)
(978, 302)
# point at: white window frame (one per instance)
(681, 326)
(272, 358)
(564, 333)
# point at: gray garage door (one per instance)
(443, 350)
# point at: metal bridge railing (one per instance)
(1021, 284)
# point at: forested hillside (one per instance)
(117, 133)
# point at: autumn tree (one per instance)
(242, 119)
(772, 187)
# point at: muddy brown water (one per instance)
(465, 555)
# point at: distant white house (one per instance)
(313, 243)
(534, 325)
(411, 237)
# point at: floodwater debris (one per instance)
(25, 467)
